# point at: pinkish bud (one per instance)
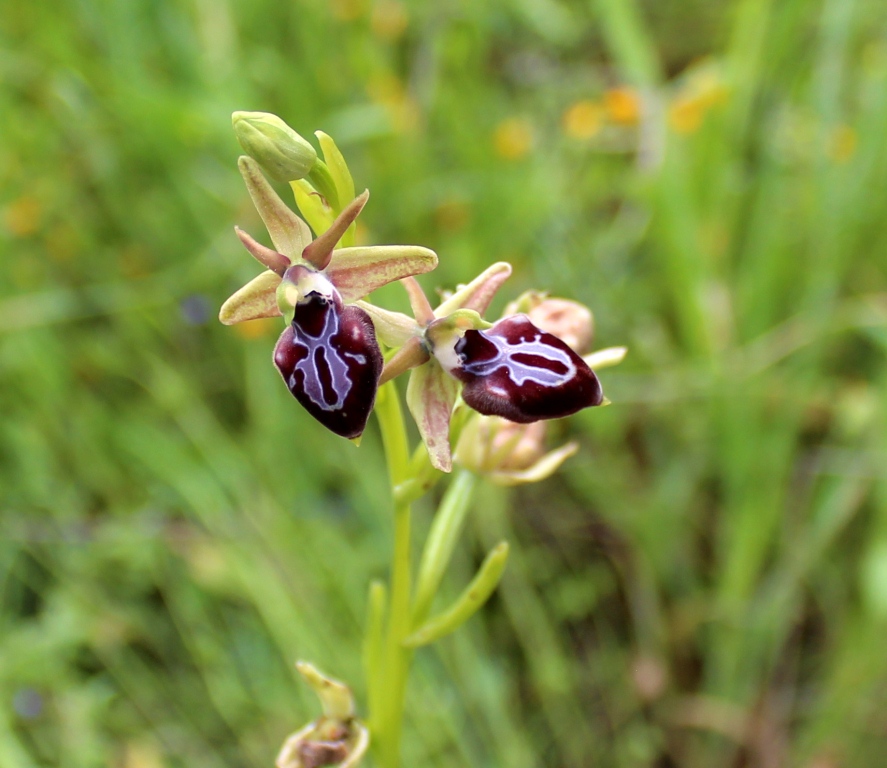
(522, 444)
(569, 320)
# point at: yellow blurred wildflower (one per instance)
(348, 10)
(703, 90)
(623, 105)
(141, 754)
(513, 138)
(583, 119)
(452, 214)
(685, 115)
(22, 216)
(843, 144)
(258, 329)
(389, 91)
(389, 20)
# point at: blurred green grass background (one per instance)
(704, 585)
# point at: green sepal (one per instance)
(431, 394)
(605, 358)
(337, 166)
(322, 180)
(313, 206)
(467, 604)
(288, 232)
(335, 697)
(255, 300)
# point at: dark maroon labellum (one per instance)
(519, 372)
(331, 362)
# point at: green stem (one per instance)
(387, 721)
(441, 542)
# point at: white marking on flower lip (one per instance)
(518, 372)
(339, 370)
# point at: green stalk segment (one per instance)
(474, 596)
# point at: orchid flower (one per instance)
(510, 368)
(509, 453)
(431, 393)
(328, 354)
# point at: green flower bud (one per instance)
(284, 154)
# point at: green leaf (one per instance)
(442, 540)
(465, 606)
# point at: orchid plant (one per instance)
(487, 388)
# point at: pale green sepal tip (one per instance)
(605, 358)
(337, 166)
(467, 604)
(282, 152)
(335, 697)
(253, 301)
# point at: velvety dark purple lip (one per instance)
(519, 372)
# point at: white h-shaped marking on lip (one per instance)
(338, 368)
(519, 372)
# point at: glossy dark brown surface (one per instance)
(519, 372)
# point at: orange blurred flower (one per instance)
(623, 105)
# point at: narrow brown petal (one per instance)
(267, 257)
(320, 251)
(422, 310)
(478, 294)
